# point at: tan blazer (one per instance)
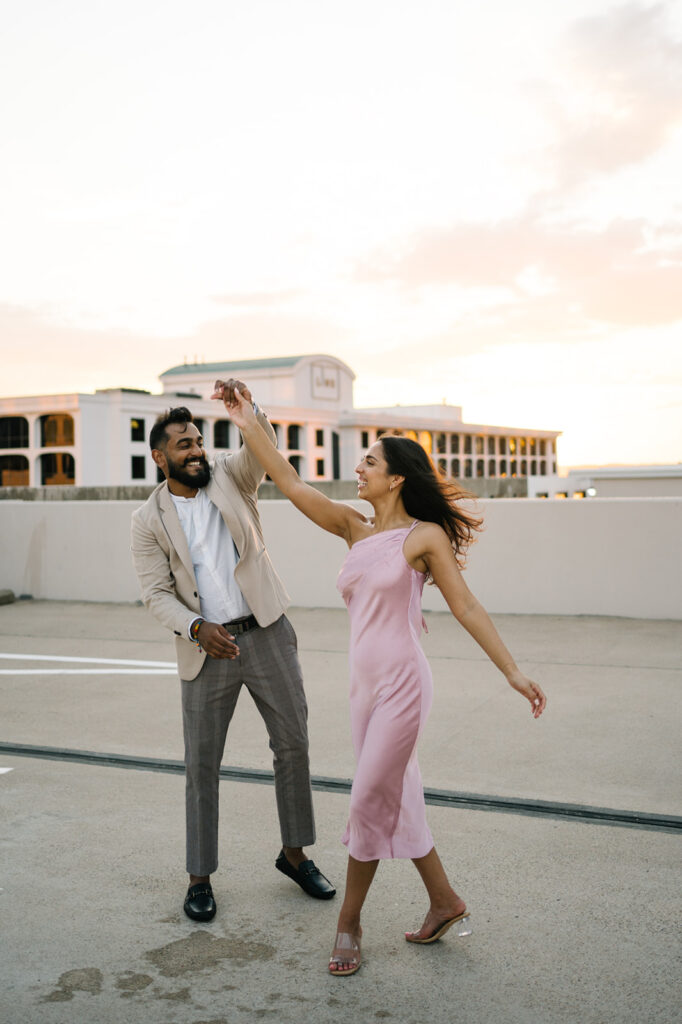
(164, 567)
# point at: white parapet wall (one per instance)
(611, 556)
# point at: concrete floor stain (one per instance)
(83, 979)
(200, 951)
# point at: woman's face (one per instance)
(373, 475)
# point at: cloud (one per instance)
(619, 96)
(258, 300)
(618, 274)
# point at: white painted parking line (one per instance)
(2, 772)
(91, 661)
(88, 671)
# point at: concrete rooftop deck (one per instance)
(573, 921)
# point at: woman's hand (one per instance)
(237, 401)
(223, 391)
(530, 690)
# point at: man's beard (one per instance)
(198, 477)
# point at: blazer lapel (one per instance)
(176, 534)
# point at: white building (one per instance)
(101, 439)
(611, 482)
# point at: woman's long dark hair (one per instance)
(427, 495)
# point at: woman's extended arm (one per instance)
(330, 515)
(436, 553)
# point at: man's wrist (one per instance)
(194, 627)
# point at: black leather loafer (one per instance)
(200, 904)
(307, 876)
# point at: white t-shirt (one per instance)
(214, 557)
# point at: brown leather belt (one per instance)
(241, 625)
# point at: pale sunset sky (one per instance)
(476, 202)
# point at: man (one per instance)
(205, 573)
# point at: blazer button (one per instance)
(195, 594)
(176, 632)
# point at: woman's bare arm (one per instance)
(333, 516)
(432, 547)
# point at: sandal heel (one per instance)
(463, 927)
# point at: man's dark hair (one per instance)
(158, 435)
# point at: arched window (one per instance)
(295, 461)
(534, 467)
(56, 430)
(524, 467)
(455, 468)
(443, 466)
(491, 467)
(13, 471)
(440, 444)
(467, 468)
(454, 444)
(57, 468)
(503, 467)
(426, 441)
(293, 437)
(13, 432)
(479, 445)
(480, 467)
(221, 434)
(467, 444)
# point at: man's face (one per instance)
(183, 457)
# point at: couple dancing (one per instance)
(418, 532)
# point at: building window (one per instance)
(278, 432)
(319, 438)
(533, 445)
(513, 467)
(522, 445)
(199, 424)
(467, 468)
(293, 432)
(443, 467)
(160, 475)
(480, 467)
(56, 429)
(295, 461)
(455, 468)
(13, 470)
(57, 468)
(543, 468)
(320, 467)
(380, 431)
(138, 467)
(503, 467)
(512, 446)
(479, 445)
(503, 446)
(543, 447)
(364, 439)
(467, 444)
(221, 434)
(491, 446)
(13, 432)
(440, 444)
(426, 441)
(534, 467)
(454, 444)
(491, 467)
(524, 467)
(137, 430)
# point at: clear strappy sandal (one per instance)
(463, 922)
(346, 951)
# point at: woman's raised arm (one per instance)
(333, 516)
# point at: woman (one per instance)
(417, 532)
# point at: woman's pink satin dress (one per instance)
(390, 698)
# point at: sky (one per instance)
(472, 203)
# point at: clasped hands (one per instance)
(216, 641)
